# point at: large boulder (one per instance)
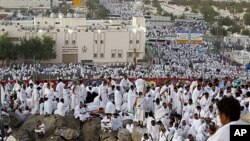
(15, 120)
(55, 138)
(24, 135)
(91, 130)
(104, 136)
(67, 121)
(26, 131)
(125, 122)
(124, 135)
(137, 133)
(246, 117)
(67, 133)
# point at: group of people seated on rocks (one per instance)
(5, 134)
(178, 109)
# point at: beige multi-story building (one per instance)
(78, 40)
(35, 4)
(239, 39)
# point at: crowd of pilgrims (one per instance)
(192, 25)
(177, 110)
(168, 59)
(187, 60)
(168, 30)
(126, 9)
(183, 62)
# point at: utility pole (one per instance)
(135, 57)
(219, 38)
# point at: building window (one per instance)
(131, 41)
(57, 22)
(137, 41)
(130, 54)
(113, 53)
(95, 41)
(137, 54)
(66, 42)
(38, 22)
(46, 22)
(101, 41)
(120, 54)
(102, 55)
(73, 42)
(95, 55)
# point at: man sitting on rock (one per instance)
(146, 137)
(61, 108)
(116, 122)
(81, 113)
(40, 128)
(6, 132)
(106, 123)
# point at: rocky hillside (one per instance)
(68, 128)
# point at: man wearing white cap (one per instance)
(227, 118)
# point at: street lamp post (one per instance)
(218, 38)
(134, 46)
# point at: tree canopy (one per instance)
(247, 18)
(96, 10)
(6, 46)
(36, 48)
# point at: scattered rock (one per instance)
(246, 118)
(137, 133)
(55, 138)
(15, 120)
(67, 121)
(67, 133)
(124, 135)
(108, 136)
(26, 131)
(91, 130)
(24, 135)
(125, 122)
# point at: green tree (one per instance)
(227, 21)
(157, 5)
(220, 31)
(89, 15)
(55, 9)
(26, 49)
(165, 13)
(209, 13)
(247, 19)
(48, 48)
(246, 32)
(146, 2)
(194, 11)
(37, 48)
(234, 29)
(5, 45)
(13, 52)
(186, 9)
(102, 12)
(91, 4)
(72, 11)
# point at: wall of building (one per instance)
(242, 57)
(40, 4)
(78, 39)
(239, 39)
